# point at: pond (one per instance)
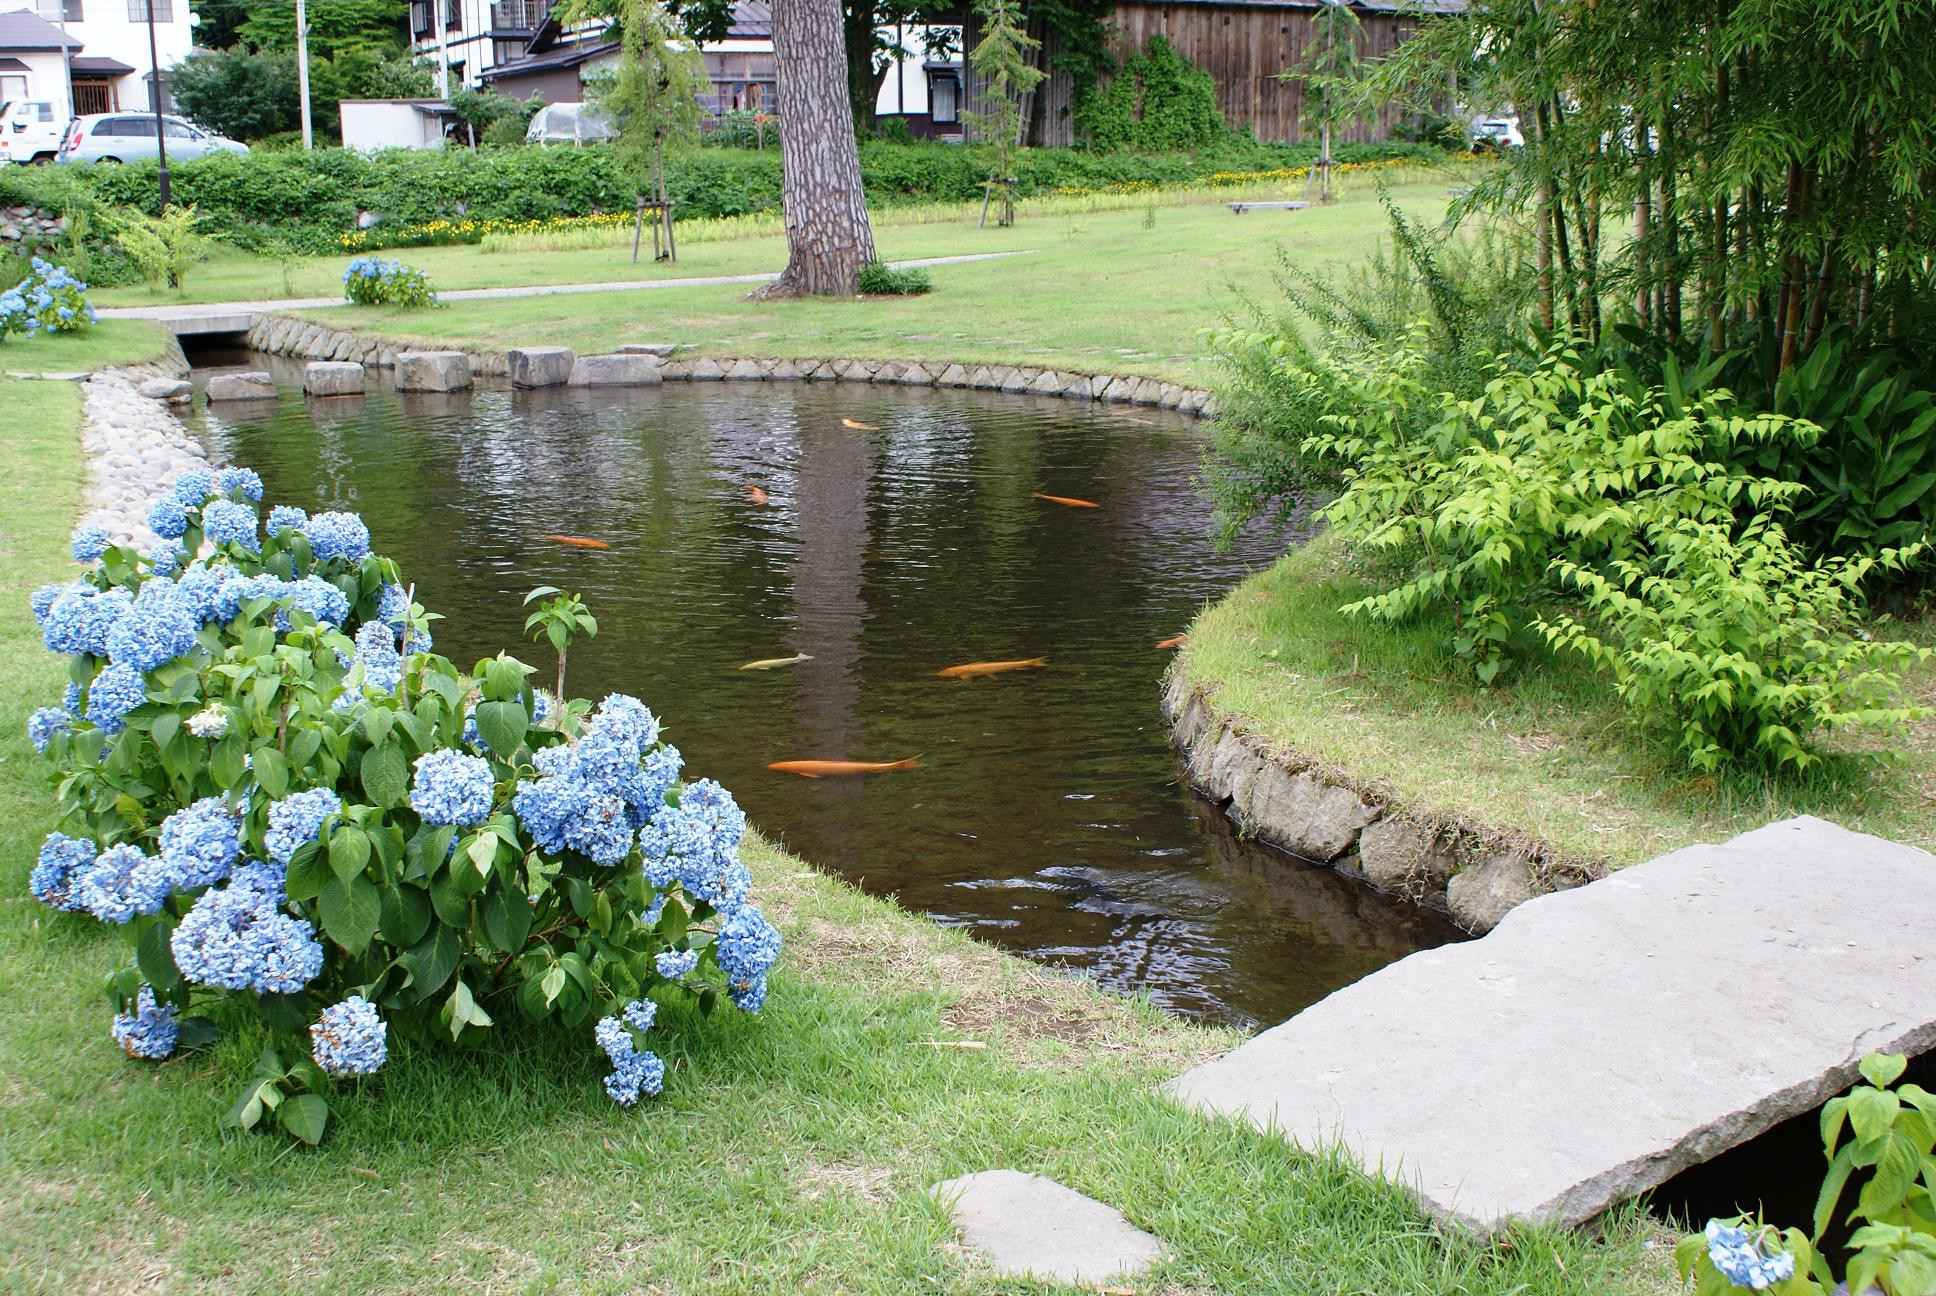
(1047, 813)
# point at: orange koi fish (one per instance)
(1065, 499)
(756, 495)
(835, 768)
(970, 670)
(1174, 641)
(859, 426)
(576, 542)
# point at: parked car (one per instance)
(126, 137)
(1490, 134)
(30, 130)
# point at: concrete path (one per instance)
(220, 317)
(1601, 1040)
(1026, 1226)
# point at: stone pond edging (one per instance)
(300, 339)
(1299, 805)
(135, 446)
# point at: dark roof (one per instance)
(21, 30)
(1370, 6)
(12, 65)
(752, 20)
(85, 66)
(564, 56)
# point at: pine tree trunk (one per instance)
(828, 237)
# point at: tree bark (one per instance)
(828, 236)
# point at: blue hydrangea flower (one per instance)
(227, 521)
(150, 1031)
(696, 844)
(635, 1072)
(165, 558)
(676, 965)
(319, 598)
(117, 690)
(57, 873)
(71, 699)
(44, 724)
(90, 542)
(79, 620)
(212, 721)
(230, 480)
(286, 517)
(1740, 1258)
(337, 535)
(564, 813)
(376, 653)
(235, 939)
(167, 518)
(749, 996)
(349, 1039)
(640, 1013)
(200, 841)
(747, 946)
(118, 886)
(452, 788)
(296, 820)
(393, 609)
(194, 486)
(199, 587)
(42, 599)
(265, 877)
(158, 628)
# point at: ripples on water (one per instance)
(1047, 815)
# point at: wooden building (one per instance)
(1244, 45)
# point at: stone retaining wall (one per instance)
(31, 226)
(300, 339)
(1295, 804)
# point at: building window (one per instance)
(54, 10)
(453, 15)
(138, 10)
(944, 100)
(13, 86)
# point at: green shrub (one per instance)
(1735, 645)
(878, 278)
(1158, 100)
(372, 281)
(161, 247)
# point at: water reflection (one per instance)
(1047, 815)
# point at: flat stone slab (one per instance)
(538, 366)
(1601, 1040)
(173, 390)
(1028, 1226)
(628, 370)
(333, 378)
(433, 371)
(241, 386)
(663, 350)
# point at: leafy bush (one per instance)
(1735, 644)
(50, 299)
(880, 278)
(1158, 100)
(372, 281)
(305, 819)
(1891, 1135)
(161, 247)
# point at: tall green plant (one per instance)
(1001, 59)
(1330, 68)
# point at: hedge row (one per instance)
(309, 199)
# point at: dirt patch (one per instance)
(871, 1184)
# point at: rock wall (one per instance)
(286, 336)
(30, 226)
(1292, 802)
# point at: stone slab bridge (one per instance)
(1601, 1040)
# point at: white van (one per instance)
(30, 130)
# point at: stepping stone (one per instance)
(172, 390)
(1028, 1226)
(630, 370)
(663, 350)
(242, 386)
(1601, 1040)
(538, 366)
(433, 371)
(333, 378)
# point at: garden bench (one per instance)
(1241, 207)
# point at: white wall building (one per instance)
(107, 52)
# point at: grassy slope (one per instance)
(112, 341)
(1546, 753)
(1097, 290)
(789, 1153)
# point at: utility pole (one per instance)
(67, 63)
(302, 69)
(154, 88)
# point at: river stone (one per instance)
(953, 376)
(1602, 1040)
(1484, 891)
(784, 371)
(546, 366)
(704, 370)
(663, 350)
(433, 371)
(242, 386)
(1079, 387)
(616, 371)
(1026, 1226)
(1302, 813)
(173, 390)
(1398, 855)
(743, 370)
(333, 378)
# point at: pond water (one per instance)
(1047, 813)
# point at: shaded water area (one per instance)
(1047, 814)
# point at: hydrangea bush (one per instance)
(50, 299)
(373, 281)
(297, 811)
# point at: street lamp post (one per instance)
(154, 85)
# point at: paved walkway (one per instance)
(1599, 1041)
(207, 311)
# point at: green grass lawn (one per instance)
(1098, 291)
(789, 1153)
(111, 342)
(1548, 752)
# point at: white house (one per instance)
(106, 60)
